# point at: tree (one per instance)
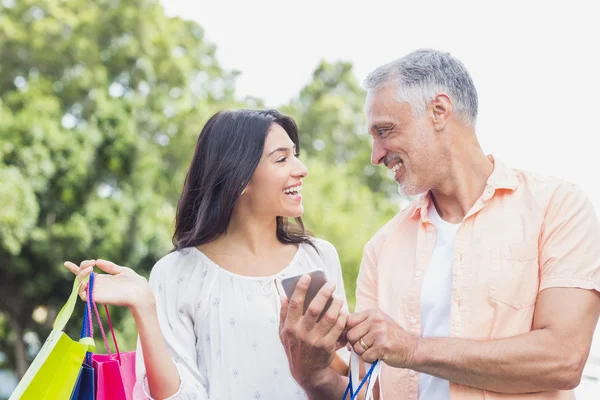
(331, 120)
(347, 199)
(340, 209)
(101, 104)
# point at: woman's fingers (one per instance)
(83, 291)
(72, 267)
(108, 266)
(86, 263)
(81, 277)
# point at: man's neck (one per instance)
(469, 172)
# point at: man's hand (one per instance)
(376, 336)
(310, 344)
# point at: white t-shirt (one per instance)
(436, 295)
(222, 329)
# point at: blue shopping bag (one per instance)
(85, 387)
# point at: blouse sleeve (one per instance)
(168, 281)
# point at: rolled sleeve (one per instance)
(570, 242)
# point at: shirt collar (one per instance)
(502, 177)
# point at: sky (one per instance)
(535, 64)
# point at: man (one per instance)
(485, 287)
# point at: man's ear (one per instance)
(442, 110)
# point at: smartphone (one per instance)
(317, 280)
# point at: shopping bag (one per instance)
(85, 386)
(114, 373)
(354, 388)
(53, 373)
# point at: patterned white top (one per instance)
(222, 328)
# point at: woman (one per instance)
(208, 318)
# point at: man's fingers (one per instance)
(356, 333)
(109, 267)
(357, 318)
(371, 355)
(366, 340)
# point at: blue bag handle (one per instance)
(367, 379)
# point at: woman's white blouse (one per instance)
(222, 328)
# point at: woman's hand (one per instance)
(120, 286)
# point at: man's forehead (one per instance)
(381, 108)
(379, 112)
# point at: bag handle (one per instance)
(87, 330)
(66, 311)
(370, 378)
(93, 302)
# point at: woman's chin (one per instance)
(292, 213)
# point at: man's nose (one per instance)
(378, 153)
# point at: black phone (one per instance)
(317, 281)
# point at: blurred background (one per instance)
(101, 104)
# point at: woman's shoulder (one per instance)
(324, 247)
(175, 264)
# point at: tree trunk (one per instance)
(21, 363)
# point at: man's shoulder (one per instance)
(397, 223)
(546, 188)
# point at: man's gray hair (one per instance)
(424, 73)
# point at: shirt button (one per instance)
(418, 273)
(412, 320)
(411, 372)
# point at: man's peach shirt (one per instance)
(524, 234)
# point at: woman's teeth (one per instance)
(293, 190)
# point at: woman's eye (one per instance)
(282, 160)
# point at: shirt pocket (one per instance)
(514, 275)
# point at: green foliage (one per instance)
(101, 104)
(340, 209)
(330, 115)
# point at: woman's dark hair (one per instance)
(228, 151)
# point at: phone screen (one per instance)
(318, 279)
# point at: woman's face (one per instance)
(277, 182)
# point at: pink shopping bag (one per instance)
(114, 373)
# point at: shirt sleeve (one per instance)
(570, 242)
(168, 283)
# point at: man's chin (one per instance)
(408, 190)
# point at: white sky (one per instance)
(536, 64)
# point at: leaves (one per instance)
(101, 105)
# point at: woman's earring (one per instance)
(243, 191)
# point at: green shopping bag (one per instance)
(53, 373)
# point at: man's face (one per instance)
(408, 146)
